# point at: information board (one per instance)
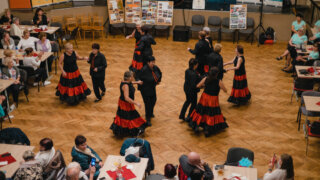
(238, 16)
(38, 3)
(116, 11)
(149, 12)
(133, 11)
(59, 1)
(165, 13)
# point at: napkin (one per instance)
(126, 173)
(245, 162)
(7, 157)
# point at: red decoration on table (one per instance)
(8, 158)
(310, 70)
(35, 55)
(126, 173)
(39, 30)
(318, 103)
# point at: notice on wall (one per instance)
(275, 3)
(59, 1)
(38, 3)
(116, 11)
(149, 12)
(133, 11)
(198, 4)
(165, 13)
(238, 16)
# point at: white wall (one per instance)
(4, 4)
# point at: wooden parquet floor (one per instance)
(267, 125)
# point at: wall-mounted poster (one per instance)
(60, 1)
(116, 11)
(38, 3)
(198, 4)
(238, 16)
(165, 13)
(133, 11)
(149, 12)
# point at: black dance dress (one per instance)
(208, 114)
(137, 62)
(240, 93)
(72, 88)
(128, 120)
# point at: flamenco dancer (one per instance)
(128, 120)
(208, 114)
(71, 88)
(240, 93)
(145, 45)
(137, 63)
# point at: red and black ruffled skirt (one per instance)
(72, 88)
(208, 115)
(137, 63)
(127, 121)
(240, 93)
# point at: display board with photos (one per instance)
(238, 16)
(165, 13)
(149, 12)
(116, 11)
(133, 11)
(38, 3)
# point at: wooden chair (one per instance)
(71, 24)
(97, 25)
(85, 25)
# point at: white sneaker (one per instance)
(12, 107)
(46, 83)
(35, 84)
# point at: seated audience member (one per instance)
(313, 55)
(196, 174)
(30, 169)
(74, 172)
(191, 162)
(2, 98)
(7, 17)
(7, 42)
(298, 24)
(9, 71)
(44, 45)
(281, 169)
(83, 154)
(40, 18)
(26, 41)
(34, 62)
(15, 29)
(46, 152)
(315, 37)
(8, 54)
(170, 172)
(317, 25)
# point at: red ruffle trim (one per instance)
(72, 91)
(208, 100)
(206, 68)
(125, 106)
(240, 92)
(130, 124)
(240, 78)
(138, 52)
(137, 65)
(72, 75)
(209, 120)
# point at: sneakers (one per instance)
(35, 84)
(46, 83)
(12, 107)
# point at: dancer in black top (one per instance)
(208, 114)
(208, 38)
(127, 120)
(137, 62)
(98, 65)
(216, 60)
(240, 93)
(151, 76)
(145, 45)
(190, 88)
(201, 51)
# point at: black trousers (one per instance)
(149, 103)
(98, 83)
(191, 98)
(14, 90)
(42, 74)
(50, 60)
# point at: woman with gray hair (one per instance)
(30, 169)
(128, 120)
(208, 37)
(15, 28)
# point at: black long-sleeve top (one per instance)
(145, 45)
(191, 81)
(5, 19)
(201, 51)
(150, 78)
(216, 60)
(188, 168)
(100, 62)
(43, 22)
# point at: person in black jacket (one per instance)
(39, 18)
(151, 76)
(98, 65)
(201, 51)
(208, 38)
(216, 60)
(190, 88)
(145, 45)
(7, 17)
